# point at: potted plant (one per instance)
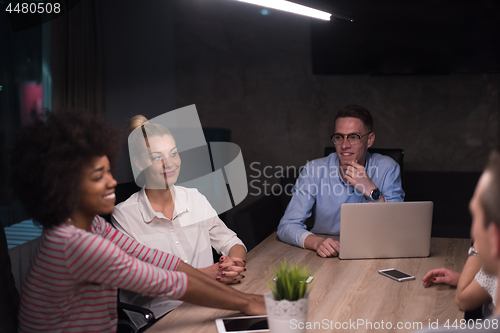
(287, 302)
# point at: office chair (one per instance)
(258, 220)
(125, 325)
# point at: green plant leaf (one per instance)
(290, 283)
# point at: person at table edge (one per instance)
(350, 175)
(485, 232)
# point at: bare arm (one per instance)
(202, 290)
(470, 295)
(238, 251)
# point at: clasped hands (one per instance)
(228, 270)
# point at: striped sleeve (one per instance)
(92, 258)
(134, 248)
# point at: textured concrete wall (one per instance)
(251, 73)
(139, 64)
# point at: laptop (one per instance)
(385, 230)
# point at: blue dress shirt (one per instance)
(320, 182)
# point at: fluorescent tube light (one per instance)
(291, 7)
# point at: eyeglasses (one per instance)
(353, 138)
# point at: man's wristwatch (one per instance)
(375, 194)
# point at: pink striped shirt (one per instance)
(72, 282)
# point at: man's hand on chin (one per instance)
(355, 174)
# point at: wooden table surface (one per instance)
(348, 293)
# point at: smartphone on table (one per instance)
(396, 274)
(247, 324)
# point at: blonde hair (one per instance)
(137, 121)
(136, 137)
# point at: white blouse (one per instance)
(194, 229)
(489, 283)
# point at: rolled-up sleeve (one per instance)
(292, 228)
(222, 238)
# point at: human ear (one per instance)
(138, 164)
(371, 139)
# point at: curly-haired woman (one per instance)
(62, 175)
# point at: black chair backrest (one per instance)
(396, 154)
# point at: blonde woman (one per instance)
(171, 218)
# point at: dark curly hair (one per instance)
(48, 157)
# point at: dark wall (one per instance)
(409, 37)
(252, 73)
(139, 64)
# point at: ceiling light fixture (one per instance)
(291, 7)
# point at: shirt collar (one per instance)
(147, 211)
(181, 205)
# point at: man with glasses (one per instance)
(351, 175)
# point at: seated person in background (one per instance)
(173, 219)
(485, 232)
(351, 175)
(474, 286)
(61, 173)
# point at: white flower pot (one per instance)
(284, 316)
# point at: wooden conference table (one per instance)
(345, 291)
